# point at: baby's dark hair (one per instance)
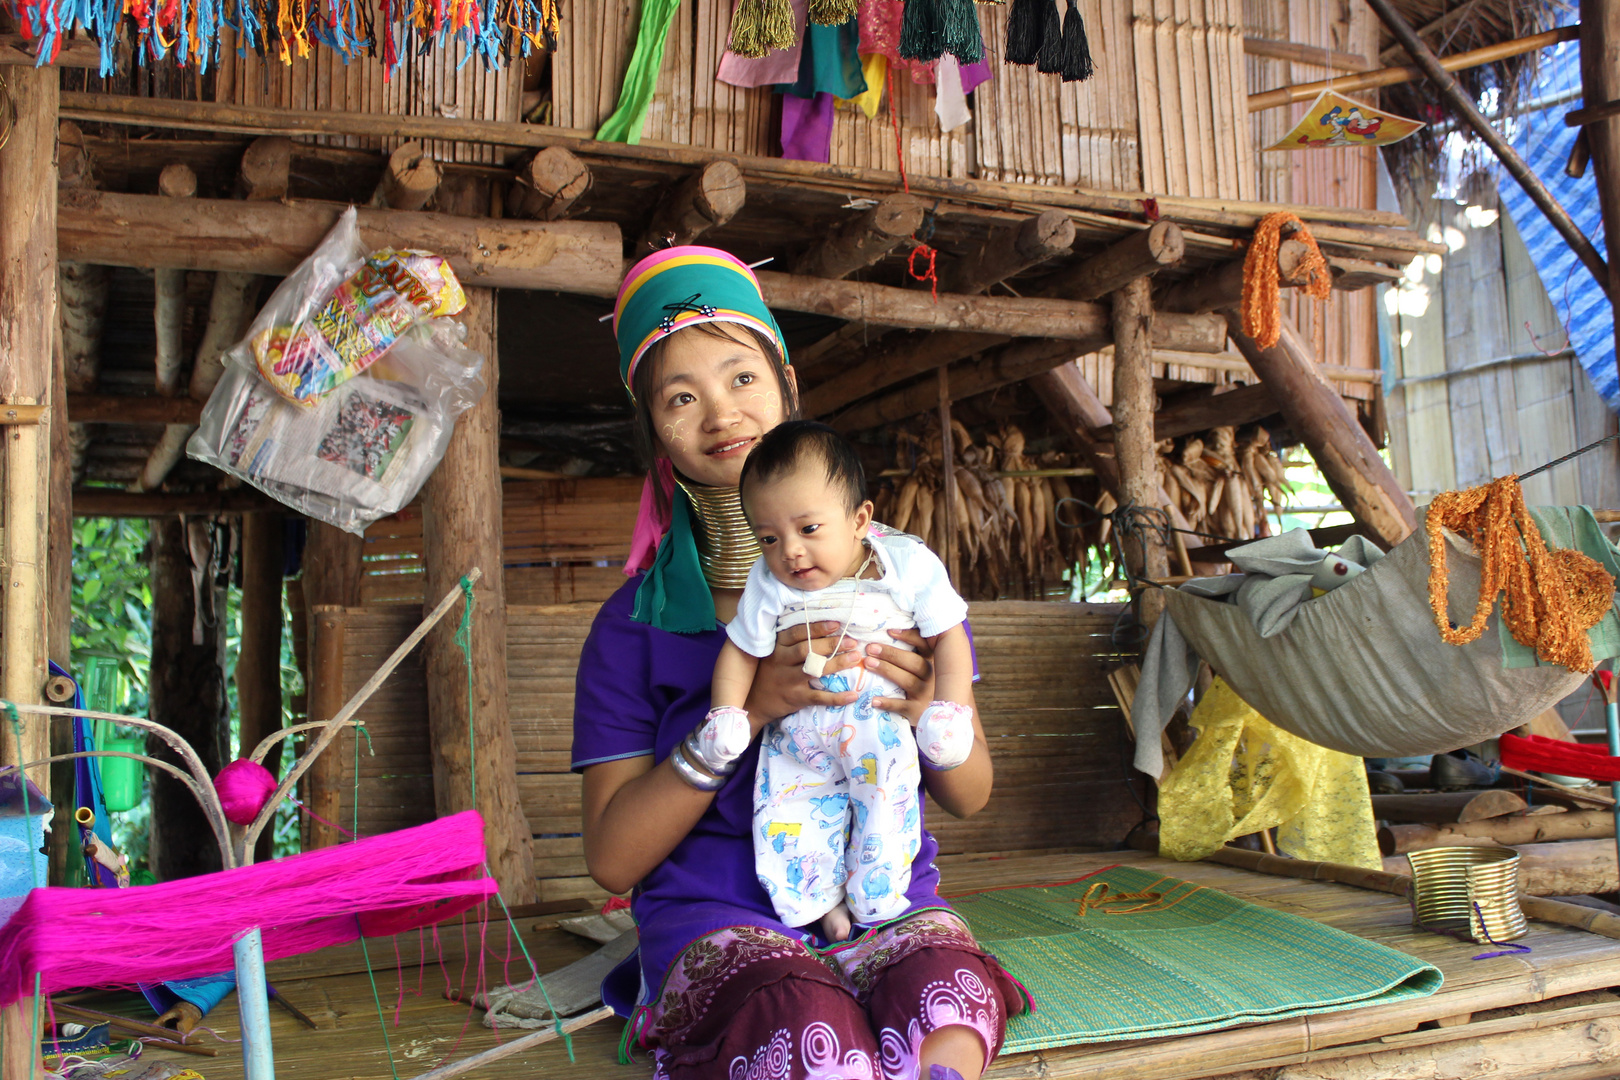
(792, 444)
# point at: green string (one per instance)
(464, 640)
(364, 951)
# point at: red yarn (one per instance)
(1541, 754)
(244, 786)
(381, 885)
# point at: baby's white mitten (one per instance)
(722, 738)
(945, 735)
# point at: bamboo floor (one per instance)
(335, 992)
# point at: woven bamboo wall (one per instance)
(564, 540)
(429, 85)
(1345, 329)
(1056, 737)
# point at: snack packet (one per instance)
(391, 292)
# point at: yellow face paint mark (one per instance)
(675, 435)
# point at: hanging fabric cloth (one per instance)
(829, 67)
(641, 77)
(777, 66)
(875, 70)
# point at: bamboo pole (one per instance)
(1600, 85)
(1392, 76)
(1460, 100)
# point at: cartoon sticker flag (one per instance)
(1335, 120)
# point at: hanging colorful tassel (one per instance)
(1075, 65)
(1049, 61)
(1023, 32)
(833, 12)
(758, 26)
(959, 30)
(921, 35)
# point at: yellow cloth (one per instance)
(1243, 774)
(876, 70)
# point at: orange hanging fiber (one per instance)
(1553, 597)
(1262, 311)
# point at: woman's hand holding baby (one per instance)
(912, 672)
(780, 684)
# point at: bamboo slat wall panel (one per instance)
(1056, 735)
(429, 85)
(564, 540)
(1191, 97)
(1034, 128)
(1098, 368)
(1345, 329)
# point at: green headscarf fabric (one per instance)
(669, 291)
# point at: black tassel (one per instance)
(1023, 31)
(1049, 60)
(921, 37)
(1076, 61)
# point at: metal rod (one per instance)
(252, 998)
(1458, 98)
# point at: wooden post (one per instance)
(1600, 85)
(707, 199)
(409, 179)
(258, 660)
(548, 186)
(1349, 462)
(947, 454)
(168, 314)
(1133, 436)
(27, 335)
(461, 529)
(323, 783)
(333, 567)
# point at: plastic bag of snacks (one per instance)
(362, 447)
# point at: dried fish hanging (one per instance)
(1056, 45)
(496, 31)
(1008, 537)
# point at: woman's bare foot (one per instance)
(835, 925)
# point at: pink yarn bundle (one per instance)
(183, 929)
(244, 786)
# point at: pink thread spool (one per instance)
(244, 786)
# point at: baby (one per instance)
(838, 800)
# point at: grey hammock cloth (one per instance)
(1359, 669)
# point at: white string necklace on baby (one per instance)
(814, 663)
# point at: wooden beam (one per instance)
(1444, 21)
(1465, 106)
(1340, 447)
(863, 239)
(705, 200)
(1222, 286)
(75, 52)
(548, 185)
(461, 529)
(921, 353)
(1600, 84)
(211, 116)
(266, 169)
(1011, 363)
(117, 409)
(1077, 409)
(273, 238)
(1135, 256)
(1201, 411)
(1134, 403)
(117, 503)
(1294, 52)
(1392, 76)
(409, 180)
(1011, 250)
(1439, 807)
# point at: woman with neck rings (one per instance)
(718, 987)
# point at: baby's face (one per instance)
(807, 533)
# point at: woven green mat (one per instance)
(1183, 959)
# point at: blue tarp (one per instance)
(1544, 142)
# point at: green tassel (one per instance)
(959, 30)
(758, 26)
(921, 36)
(1076, 63)
(1049, 60)
(1023, 31)
(833, 12)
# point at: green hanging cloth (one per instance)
(641, 77)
